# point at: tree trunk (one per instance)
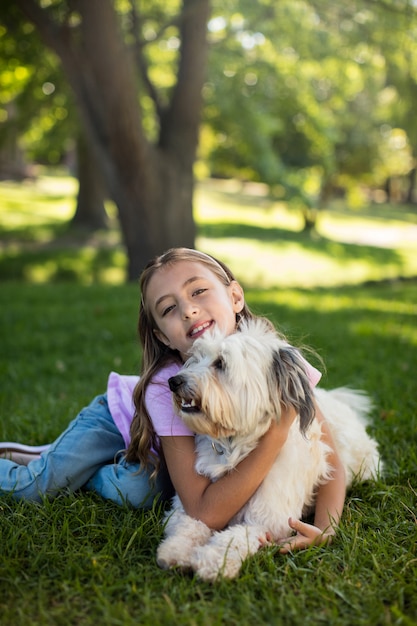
(90, 212)
(12, 161)
(151, 184)
(411, 197)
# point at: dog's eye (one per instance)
(219, 364)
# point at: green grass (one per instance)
(262, 240)
(79, 560)
(258, 237)
(37, 245)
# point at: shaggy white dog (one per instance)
(228, 392)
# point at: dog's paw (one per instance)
(223, 556)
(211, 565)
(177, 549)
(173, 552)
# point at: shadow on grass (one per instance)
(335, 249)
(52, 234)
(48, 230)
(234, 194)
(58, 251)
(54, 265)
(397, 212)
(70, 254)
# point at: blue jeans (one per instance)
(85, 456)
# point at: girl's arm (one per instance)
(215, 503)
(329, 503)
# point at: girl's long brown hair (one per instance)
(144, 446)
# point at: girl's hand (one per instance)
(306, 535)
(216, 503)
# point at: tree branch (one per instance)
(186, 101)
(140, 60)
(55, 35)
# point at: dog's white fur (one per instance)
(228, 392)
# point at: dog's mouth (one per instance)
(194, 416)
(188, 405)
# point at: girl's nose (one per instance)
(188, 309)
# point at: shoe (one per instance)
(11, 446)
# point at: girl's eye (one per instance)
(198, 292)
(167, 310)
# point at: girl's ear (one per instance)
(161, 337)
(238, 297)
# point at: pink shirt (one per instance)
(120, 399)
(158, 400)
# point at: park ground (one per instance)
(67, 319)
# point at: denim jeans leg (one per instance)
(123, 483)
(90, 441)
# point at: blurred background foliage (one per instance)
(313, 99)
(321, 90)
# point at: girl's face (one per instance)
(187, 299)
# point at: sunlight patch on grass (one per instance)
(267, 248)
(84, 268)
(260, 238)
(333, 302)
(386, 233)
(113, 275)
(259, 264)
(35, 215)
(30, 202)
(405, 333)
(58, 185)
(215, 208)
(363, 311)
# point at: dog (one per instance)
(228, 392)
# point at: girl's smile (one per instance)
(199, 329)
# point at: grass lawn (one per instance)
(259, 238)
(78, 560)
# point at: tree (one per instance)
(29, 98)
(39, 119)
(303, 99)
(148, 173)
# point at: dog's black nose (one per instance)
(175, 382)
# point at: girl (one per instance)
(185, 293)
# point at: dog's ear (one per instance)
(294, 387)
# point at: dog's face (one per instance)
(235, 385)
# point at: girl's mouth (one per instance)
(199, 329)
